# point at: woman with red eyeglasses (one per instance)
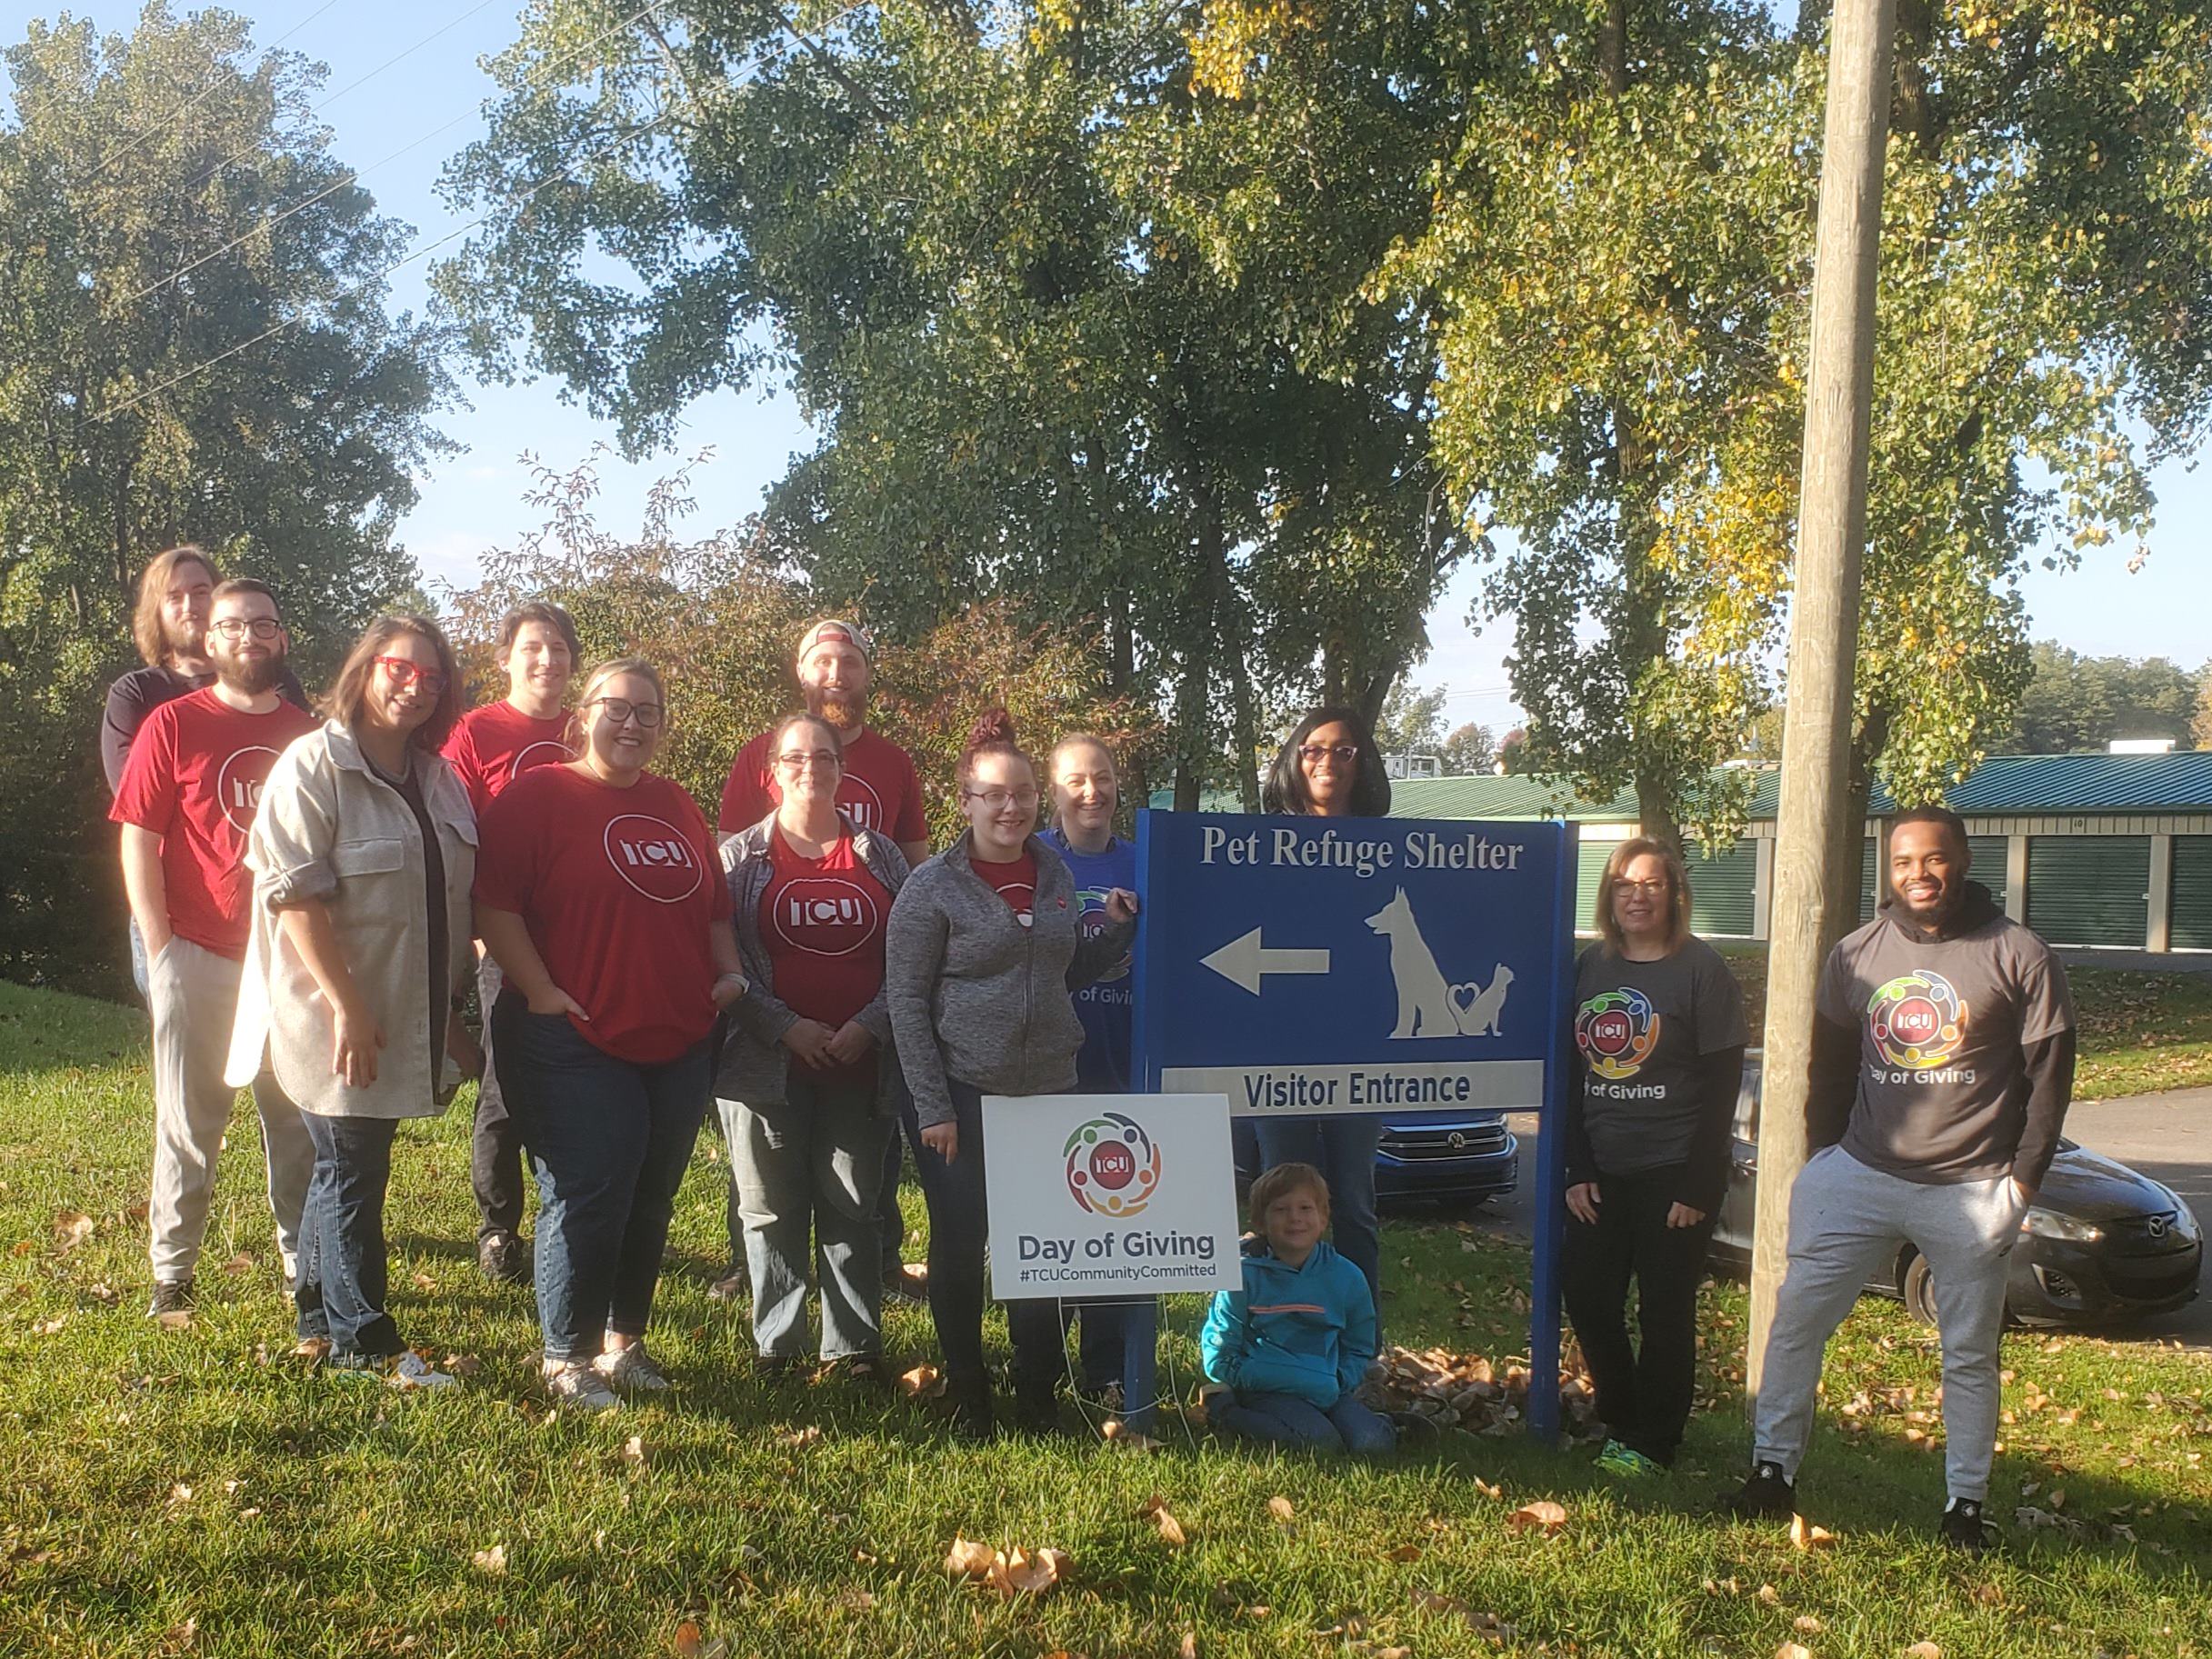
(1329, 767)
(362, 853)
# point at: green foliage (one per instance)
(2075, 702)
(289, 459)
(1412, 722)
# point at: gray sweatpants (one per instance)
(1846, 1225)
(193, 995)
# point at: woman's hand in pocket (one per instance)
(554, 1000)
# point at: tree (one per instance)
(1412, 722)
(1470, 752)
(2075, 702)
(986, 252)
(194, 346)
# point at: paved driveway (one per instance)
(2167, 1137)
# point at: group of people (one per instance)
(312, 896)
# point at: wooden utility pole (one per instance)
(1814, 899)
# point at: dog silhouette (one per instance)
(1429, 1005)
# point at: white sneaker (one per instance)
(575, 1387)
(631, 1368)
(409, 1371)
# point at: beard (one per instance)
(184, 638)
(845, 708)
(252, 677)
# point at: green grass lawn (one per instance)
(197, 1492)
(2140, 1033)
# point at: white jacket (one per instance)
(328, 828)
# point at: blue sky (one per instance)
(471, 500)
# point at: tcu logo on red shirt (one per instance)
(825, 915)
(544, 752)
(238, 785)
(860, 803)
(653, 857)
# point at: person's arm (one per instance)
(507, 938)
(1225, 1341)
(1356, 1352)
(355, 1033)
(119, 722)
(146, 885)
(1833, 1084)
(729, 972)
(1102, 952)
(2049, 1066)
(1581, 1156)
(914, 959)
(1704, 1176)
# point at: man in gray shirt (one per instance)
(1942, 1066)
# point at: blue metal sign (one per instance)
(1323, 966)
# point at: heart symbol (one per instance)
(1464, 996)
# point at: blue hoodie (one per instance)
(1307, 1331)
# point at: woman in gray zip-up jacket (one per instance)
(808, 1081)
(985, 949)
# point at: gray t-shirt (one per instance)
(1942, 1082)
(1642, 1027)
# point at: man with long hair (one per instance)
(186, 800)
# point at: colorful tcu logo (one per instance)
(1113, 1167)
(653, 857)
(1617, 1031)
(1918, 1021)
(1094, 921)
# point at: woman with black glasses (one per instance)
(599, 893)
(1329, 767)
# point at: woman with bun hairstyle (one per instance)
(986, 947)
(1329, 767)
(600, 894)
(807, 1083)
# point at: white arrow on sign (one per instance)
(1242, 962)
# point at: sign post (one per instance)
(1331, 966)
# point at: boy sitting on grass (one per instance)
(1285, 1353)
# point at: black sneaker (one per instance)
(908, 1284)
(970, 1411)
(1765, 1496)
(503, 1258)
(1036, 1411)
(170, 1296)
(1963, 1527)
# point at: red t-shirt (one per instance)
(194, 778)
(822, 920)
(1015, 883)
(494, 745)
(879, 791)
(618, 887)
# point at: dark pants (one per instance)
(959, 1230)
(1285, 1420)
(495, 1154)
(1644, 1394)
(1119, 1342)
(340, 1290)
(1342, 1148)
(610, 1140)
(889, 1217)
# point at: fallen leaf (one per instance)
(1545, 1515)
(180, 1493)
(241, 1263)
(857, 1600)
(70, 1228)
(176, 1319)
(1022, 1572)
(1189, 1649)
(1988, 1595)
(423, 1282)
(1804, 1535)
(136, 1212)
(1768, 1596)
(802, 1437)
(1156, 1511)
(463, 1365)
(1805, 1625)
(313, 1349)
(47, 1327)
(22, 1246)
(1791, 1650)
(1923, 1650)
(1496, 1493)
(1405, 1551)
(923, 1382)
(968, 1559)
(1279, 1507)
(493, 1561)
(1129, 1439)
(633, 1451)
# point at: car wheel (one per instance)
(1918, 1289)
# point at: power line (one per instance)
(201, 97)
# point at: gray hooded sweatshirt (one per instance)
(977, 997)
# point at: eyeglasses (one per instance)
(619, 710)
(998, 800)
(821, 760)
(405, 673)
(1344, 753)
(1649, 890)
(236, 628)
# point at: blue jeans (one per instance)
(610, 1140)
(806, 1173)
(1284, 1419)
(959, 1230)
(340, 1289)
(1342, 1148)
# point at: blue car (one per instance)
(1455, 1157)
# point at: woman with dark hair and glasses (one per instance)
(1659, 1021)
(1329, 767)
(362, 851)
(600, 895)
(986, 944)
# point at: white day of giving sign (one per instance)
(1110, 1194)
